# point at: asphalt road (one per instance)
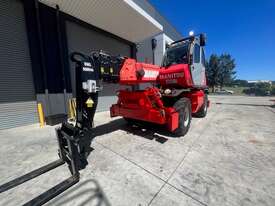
(227, 158)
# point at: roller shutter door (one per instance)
(17, 94)
(85, 40)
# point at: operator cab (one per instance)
(178, 54)
(188, 51)
(197, 61)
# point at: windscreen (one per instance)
(176, 55)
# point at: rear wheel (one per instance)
(203, 110)
(183, 107)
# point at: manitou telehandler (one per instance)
(169, 94)
(166, 95)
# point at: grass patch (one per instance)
(236, 90)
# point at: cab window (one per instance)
(176, 55)
(196, 53)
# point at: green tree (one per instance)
(241, 83)
(259, 89)
(212, 71)
(226, 70)
(273, 90)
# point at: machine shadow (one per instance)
(89, 191)
(148, 131)
(144, 130)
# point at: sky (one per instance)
(245, 29)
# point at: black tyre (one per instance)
(183, 107)
(203, 110)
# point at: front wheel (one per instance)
(183, 107)
(203, 110)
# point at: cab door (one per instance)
(198, 67)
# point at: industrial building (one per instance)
(36, 38)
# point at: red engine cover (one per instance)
(133, 72)
(175, 76)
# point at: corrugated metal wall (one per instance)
(14, 114)
(17, 94)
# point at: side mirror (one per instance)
(154, 43)
(202, 39)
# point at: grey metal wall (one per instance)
(17, 94)
(144, 51)
(85, 40)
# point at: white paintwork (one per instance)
(197, 69)
(158, 53)
(123, 18)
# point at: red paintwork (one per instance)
(147, 105)
(175, 76)
(128, 72)
(196, 99)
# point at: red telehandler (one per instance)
(169, 94)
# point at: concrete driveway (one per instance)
(227, 158)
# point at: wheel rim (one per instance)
(186, 119)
